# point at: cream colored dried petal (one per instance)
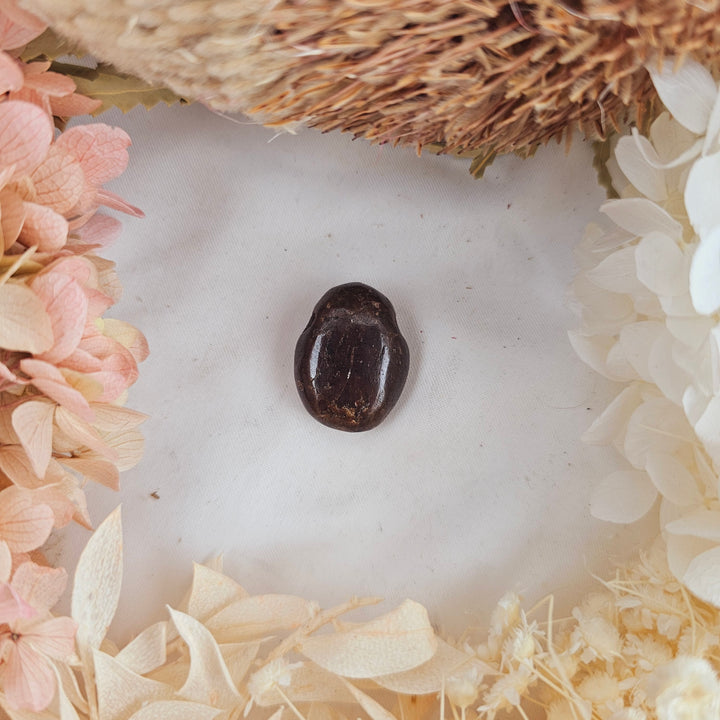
(599, 688)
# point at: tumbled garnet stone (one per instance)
(351, 361)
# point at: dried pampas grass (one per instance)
(465, 74)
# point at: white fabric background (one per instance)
(475, 484)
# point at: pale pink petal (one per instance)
(11, 76)
(12, 216)
(101, 150)
(99, 302)
(76, 267)
(40, 586)
(28, 679)
(73, 105)
(24, 526)
(43, 227)
(6, 562)
(99, 471)
(12, 605)
(115, 202)
(33, 424)
(82, 361)
(58, 181)
(30, 95)
(67, 305)
(100, 230)
(50, 381)
(25, 135)
(8, 375)
(49, 83)
(62, 506)
(83, 433)
(128, 336)
(54, 638)
(17, 27)
(15, 463)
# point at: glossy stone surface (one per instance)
(351, 361)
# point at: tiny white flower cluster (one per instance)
(648, 296)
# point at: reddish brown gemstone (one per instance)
(351, 361)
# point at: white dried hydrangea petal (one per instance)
(700, 523)
(656, 426)
(705, 274)
(688, 92)
(630, 155)
(701, 201)
(618, 366)
(636, 341)
(641, 216)
(176, 710)
(623, 496)
(703, 579)
(682, 549)
(593, 351)
(670, 378)
(661, 265)
(708, 429)
(672, 479)
(690, 331)
(617, 272)
(612, 421)
(670, 138)
(680, 306)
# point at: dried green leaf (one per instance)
(115, 89)
(602, 151)
(49, 46)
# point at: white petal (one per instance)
(147, 651)
(618, 366)
(175, 710)
(656, 426)
(703, 576)
(617, 272)
(631, 158)
(623, 496)
(680, 306)
(641, 216)
(689, 94)
(636, 342)
(613, 420)
(692, 331)
(708, 429)
(700, 523)
(672, 479)
(682, 549)
(661, 265)
(670, 138)
(592, 350)
(713, 129)
(664, 371)
(705, 274)
(701, 194)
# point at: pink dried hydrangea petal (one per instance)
(28, 679)
(100, 471)
(11, 76)
(12, 605)
(25, 135)
(100, 231)
(101, 150)
(58, 181)
(50, 381)
(43, 227)
(41, 586)
(15, 463)
(115, 202)
(67, 306)
(54, 637)
(73, 105)
(29, 95)
(128, 336)
(12, 216)
(24, 526)
(49, 83)
(17, 26)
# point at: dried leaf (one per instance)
(398, 641)
(210, 592)
(175, 710)
(120, 692)
(49, 46)
(147, 651)
(258, 616)
(24, 324)
(116, 89)
(33, 423)
(209, 680)
(370, 706)
(98, 577)
(430, 677)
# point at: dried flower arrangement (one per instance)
(482, 77)
(647, 645)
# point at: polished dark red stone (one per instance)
(351, 361)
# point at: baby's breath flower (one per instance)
(595, 637)
(507, 691)
(599, 688)
(462, 689)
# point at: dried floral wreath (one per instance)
(645, 646)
